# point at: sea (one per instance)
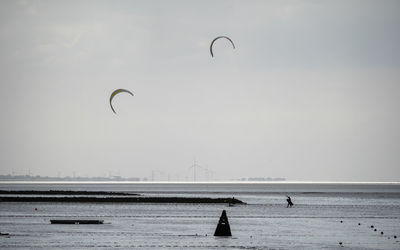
(324, 216)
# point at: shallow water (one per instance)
(264, 223)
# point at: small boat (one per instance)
(76, 221)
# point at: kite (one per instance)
(212, 43)
(116, 92)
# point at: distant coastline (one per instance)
(117, 179)
(62, 179)
(38, 178)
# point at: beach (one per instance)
(323, 216)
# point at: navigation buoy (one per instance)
(223, 228)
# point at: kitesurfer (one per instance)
(289, 202)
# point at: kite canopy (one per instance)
(215, 39)
(116, 92)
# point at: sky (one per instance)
(310, 93)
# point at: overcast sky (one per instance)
(311, 92)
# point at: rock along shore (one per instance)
(62, 192)
(121, 199)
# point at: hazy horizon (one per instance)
(310, 93)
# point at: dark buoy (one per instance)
(35, 208)
(395, 236)
(372, 226)
(341, 221)
(375, 229)
(340, 243)
(359, 224)
(381, 233)
(223, 228)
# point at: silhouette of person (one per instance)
(289, 202)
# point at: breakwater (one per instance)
(120, 199)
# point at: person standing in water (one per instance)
(289, 202)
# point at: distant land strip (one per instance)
(64, 192)
(122, 199)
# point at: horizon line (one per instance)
(202, 182)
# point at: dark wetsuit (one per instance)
(289, 202)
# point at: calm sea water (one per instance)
(324, 214)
